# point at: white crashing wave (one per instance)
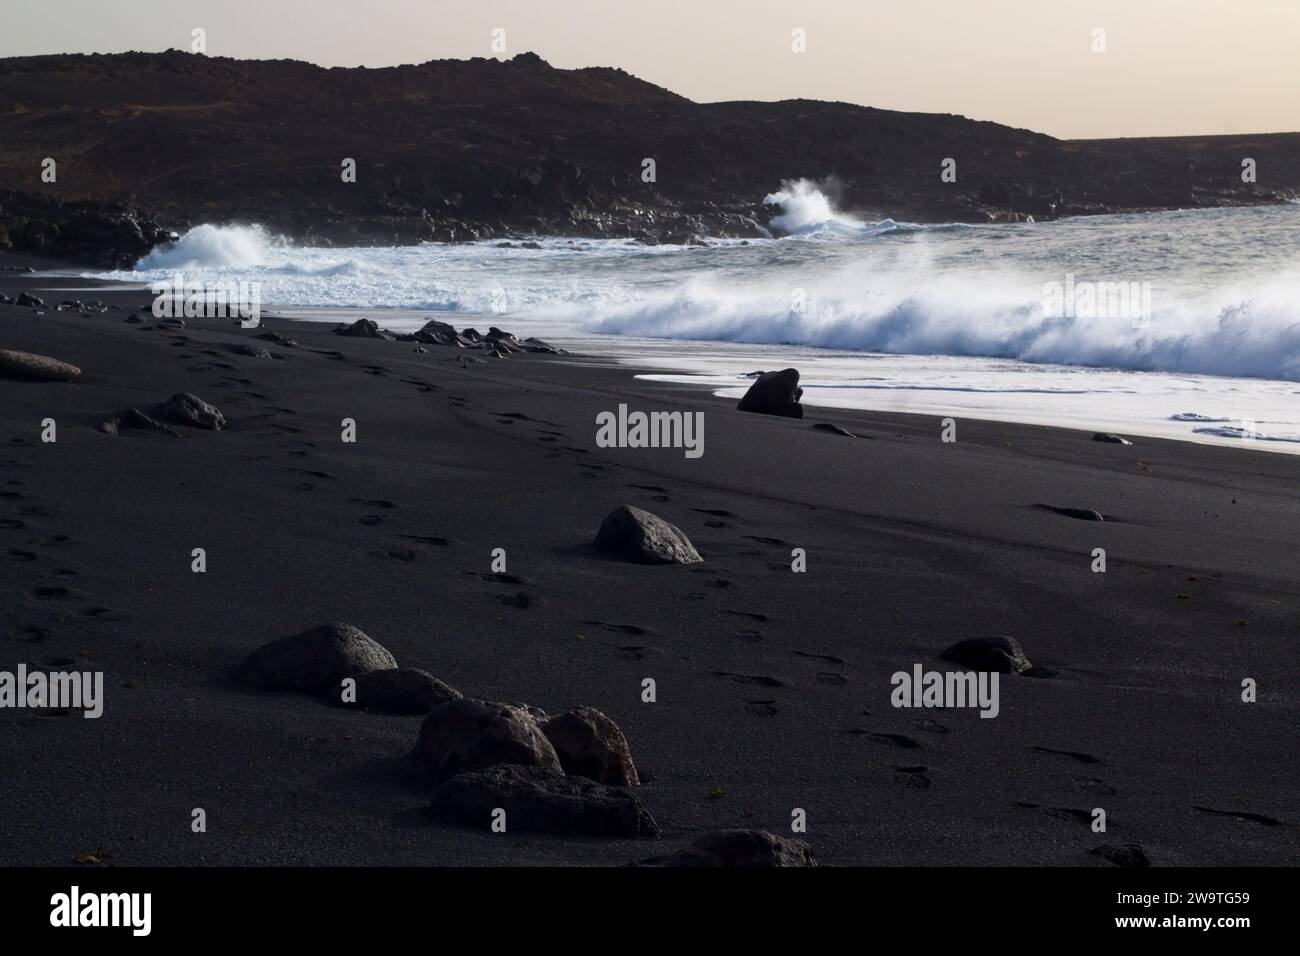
(1225, 285)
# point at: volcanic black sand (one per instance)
(773, 687)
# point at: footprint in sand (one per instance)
(31, 634)
(761, 708)
(1240, 815)
(427, 539)
(501, 577)
(518, 599)
(718, 524)
(819, 657)
(896, 740)
(715, 512)
(760, 618)
(1070, 754)
(757, 680)
(832, 679)
(762, 540)
(658, 488)
(617, 628)
(915, 777)
(753, 637)
(1072, 814)
(930, 726)
(373, 503)
(1093, 785)
(17, 554)
(371, 520)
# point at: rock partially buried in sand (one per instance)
(401, 690)
(134, 418)
(36, 368)
(473, 734)
(641, 536)
(774, 393)
(542, 799)
(186, 409)
(252, 351)
(364, 329)
(1110, 439)
(1001, 654)
(26, 298)
(315, 660)
(590, 745)
(834, 429)
(743, 848)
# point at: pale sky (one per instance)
(1170, 67)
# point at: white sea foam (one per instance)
(1225, 304)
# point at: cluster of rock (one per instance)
(496, 343)
(182, 408)
(571, 773)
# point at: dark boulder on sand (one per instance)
(473, 734)
(1110, 439)
(27, 299)
(999, 653)
(186, 409)
(591, 745)
(641, 536)
(36, 368)
(364, 329)
(399, 690)
(315, 660)
(774, 393)
(542, 799)
(742, 848)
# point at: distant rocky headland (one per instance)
(147, 144)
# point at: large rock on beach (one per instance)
(36, 368)
(542, 799)
(638, 535)
(774, 393)
(740, 848)
(473, 734)
(315, 660)
(186, 409)
(591, 745)
(364, 329)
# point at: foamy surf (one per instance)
(837, 295)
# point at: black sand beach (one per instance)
(773, 687)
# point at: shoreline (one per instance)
(640, 367)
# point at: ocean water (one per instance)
(1178, 324)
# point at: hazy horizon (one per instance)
(1169, 68)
